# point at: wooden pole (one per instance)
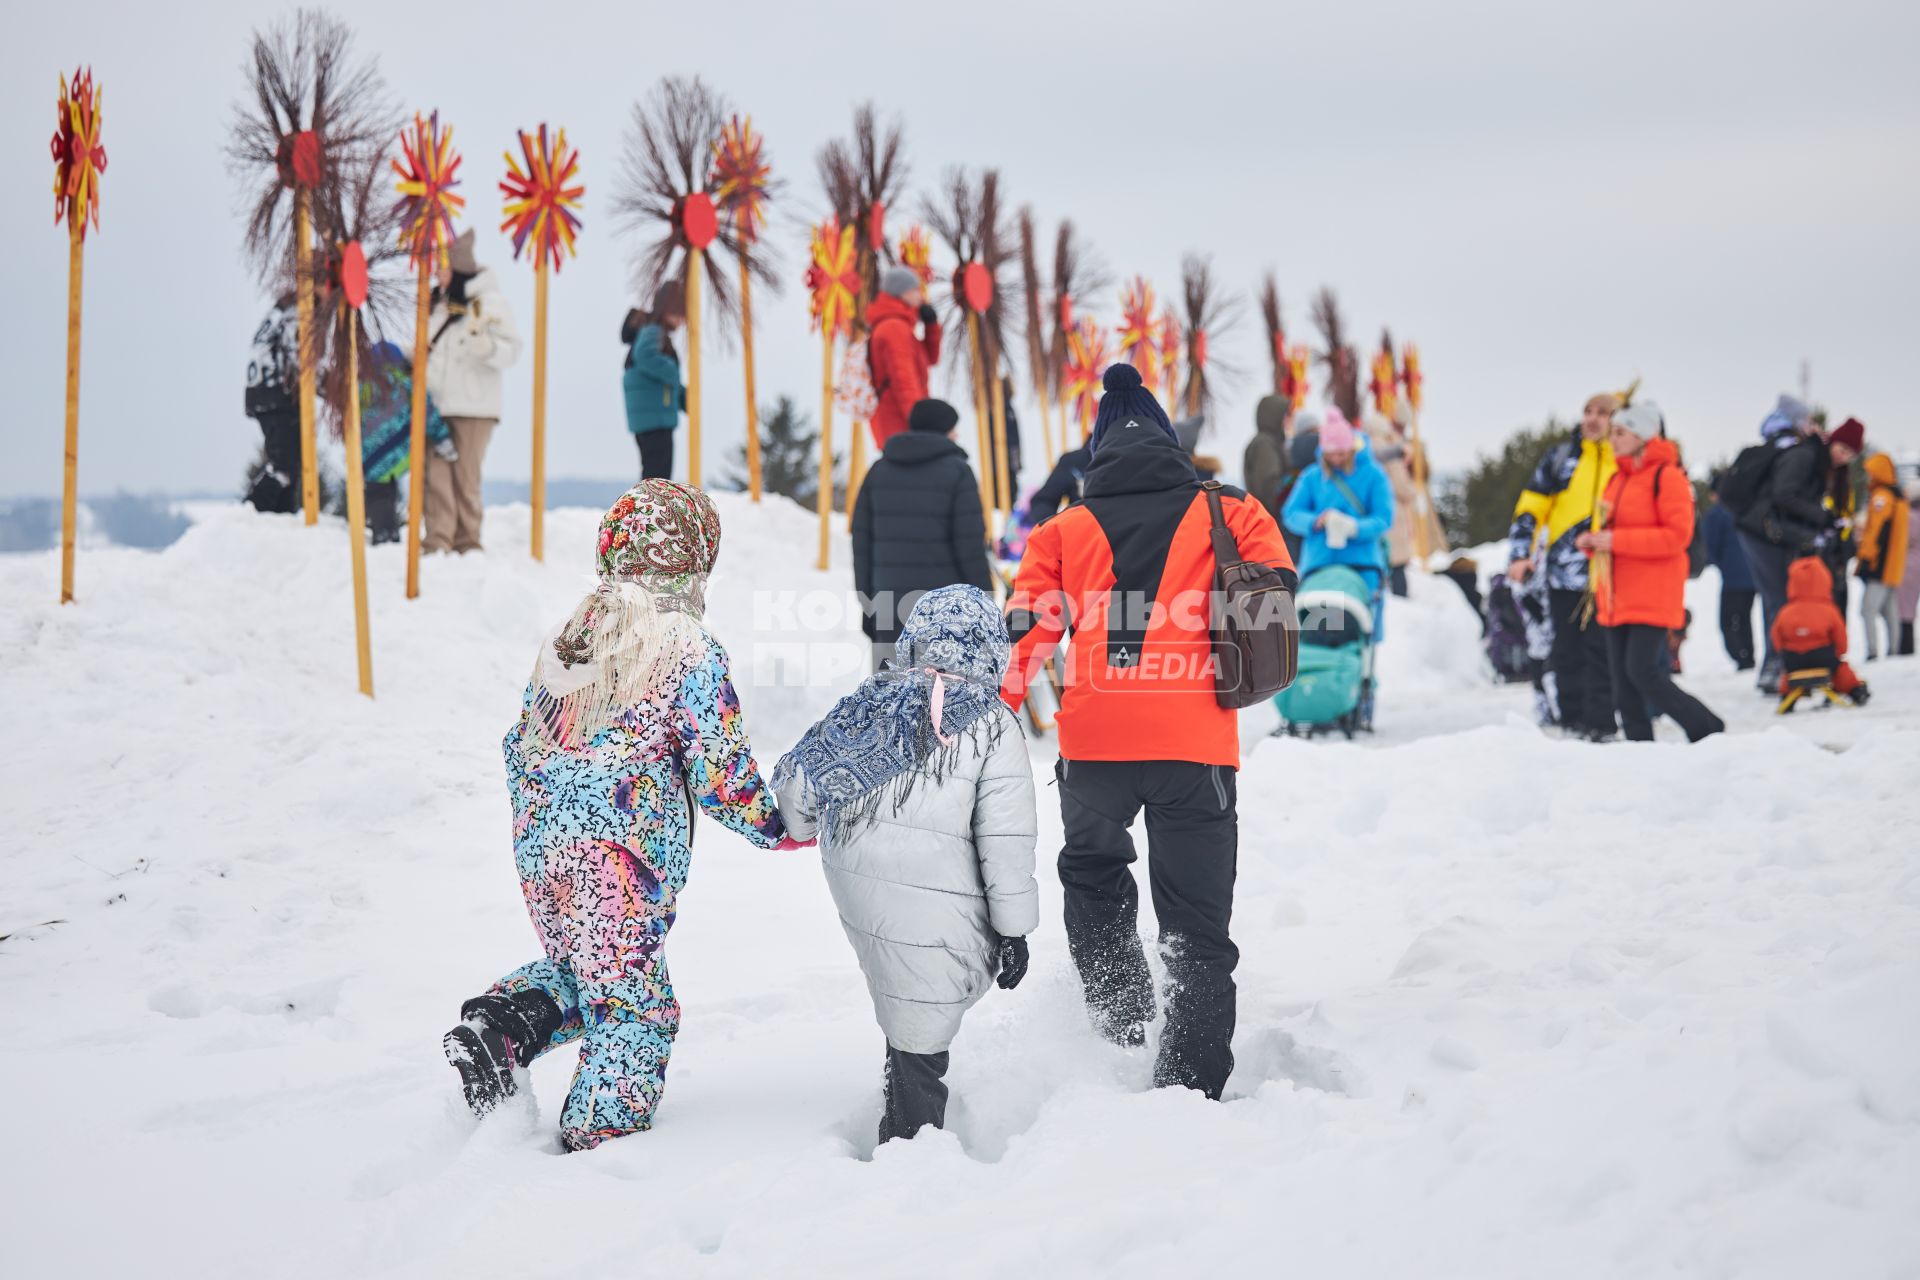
(856, 464)
(693, 368)
(1003, 504)
(825, 499)
(983, 431)
(417, 435)
(70, 483)
(1173, 386)
(303, 285)
(753, 411)
(1046, 420)
(357, 507)
(1423, 500)
(539, 487)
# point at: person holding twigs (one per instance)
(655, 394)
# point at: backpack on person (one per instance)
(1507, 647)
(1745, 482)
(1255, 629)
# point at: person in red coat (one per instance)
(1644, 527)
(897, 357)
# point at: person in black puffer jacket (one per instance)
(917, 524)
(1789, 518)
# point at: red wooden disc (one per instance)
(1200, 348)
(306, 159)
(353, 274)
(976, 286)
(877, 228)
(698, 224)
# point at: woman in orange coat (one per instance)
(1644, 527)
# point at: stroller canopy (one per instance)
(1336, 608)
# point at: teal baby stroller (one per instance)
(1338, 612)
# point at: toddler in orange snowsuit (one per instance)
(1809, 630)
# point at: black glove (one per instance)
(1013, 962)
(928, 316)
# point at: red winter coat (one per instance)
(1649, 509)
(900, 362)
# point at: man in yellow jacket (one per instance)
(1556, 507)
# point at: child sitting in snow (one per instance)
(630, 721)
(1809, 631)
(919, 787)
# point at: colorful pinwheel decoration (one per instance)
(833, 286)
(741, 180)
(78, 157)
(428, 168)
(1385, 382)
(1139, 336)
(916, 254)
(541, 198)
(1410, 376)
(1299, 361)
(78, 161)
(1172, 338)
(1086, 366)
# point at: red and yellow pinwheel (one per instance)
(740, 177)
(429, 169)
(1299, 359)
(1139, 336)
(78, 162)
(542, 197)
(539, 212)
(1385, 383)
(1086, 366)
(1171, 337)
(833, 278)
(1410, 376)
(916, 254)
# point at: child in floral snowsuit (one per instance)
(630, 721)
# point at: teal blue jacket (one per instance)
(655, 394)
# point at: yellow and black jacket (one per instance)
(1558, 503)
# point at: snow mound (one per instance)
(1509, 1006)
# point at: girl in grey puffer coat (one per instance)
(918, 787)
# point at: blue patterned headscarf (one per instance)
(907, 721)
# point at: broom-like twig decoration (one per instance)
(1036, 332)
(360, 213)
(863, 176)
(996, 252)
(1210, 314)
(1276, 337)
(958, 224)
(1337, 355)
(1077, 277)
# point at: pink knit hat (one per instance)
(1336, 433)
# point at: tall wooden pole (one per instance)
(1423, 500)
(1173, 386)
(70, 484)
(1003, 505)
(540, 407)
(357, 507)
(693, 368)
(1046, 418)
(753, 411)
(825, 498)
(982, 430)
(417, 435)
(303, 285)
(856, 462)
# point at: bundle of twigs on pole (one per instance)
(1277, 349)
(741, 183)
(996, 252)
(1210, 315)
(1337, 355)
(957, 223)
(78, 161)
(862, 176)
(428, 169)
(665, 186)
(1076, 278)
(312, 105)
(1037, 361)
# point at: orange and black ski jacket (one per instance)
(1128, 575)
(1809, 628)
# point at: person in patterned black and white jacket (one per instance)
(272, 400)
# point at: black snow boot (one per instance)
(496, 1034)
(1859, 694)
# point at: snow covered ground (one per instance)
(1510, 1006)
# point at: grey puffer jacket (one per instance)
(926, 890)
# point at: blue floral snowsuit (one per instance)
(602, 839)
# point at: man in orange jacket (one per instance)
(1128, 572)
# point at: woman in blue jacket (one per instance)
(1342, 508)
(655, 395)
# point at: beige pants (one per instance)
(453, 488)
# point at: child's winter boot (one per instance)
(496, 1034)
(1859, 694)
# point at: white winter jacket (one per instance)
(465, 360)
(926, 892)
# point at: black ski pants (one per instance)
(1736, 625)
(1643, 679)
(1579, 663)
(656, 453)
(1192, 856)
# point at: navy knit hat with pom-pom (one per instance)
(1127, 400)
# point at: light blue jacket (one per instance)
(655, 395)
(1316, 492)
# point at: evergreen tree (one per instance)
(789, 457)
(1477, 507)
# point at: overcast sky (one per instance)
(1551, 199)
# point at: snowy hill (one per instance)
(1510, 1006)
